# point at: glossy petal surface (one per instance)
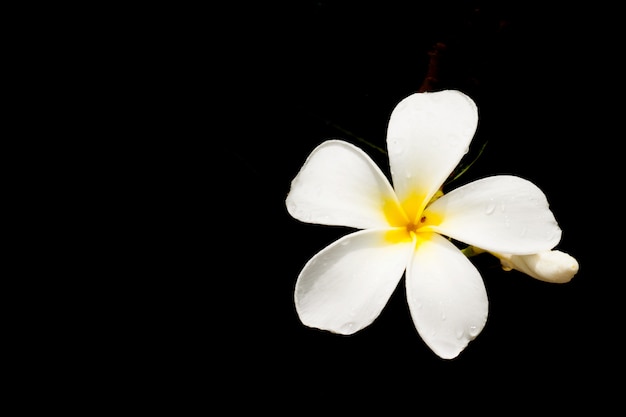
(427, 136)
(345, 286)
(505, 214)
(446, 296)
(339, 184)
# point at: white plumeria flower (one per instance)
(345, 286)
(550, 266)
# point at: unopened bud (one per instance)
(549, 266)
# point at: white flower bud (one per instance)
(549, 266)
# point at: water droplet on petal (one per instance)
(347, 328)
(490, 208)
(473, 331)
(459, 333)
(396, 146)
(550, 234)
(453, 139)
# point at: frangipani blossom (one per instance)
(404, 230)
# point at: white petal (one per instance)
(339, 184)
(446, 296)
(345, 286)
(503, 214)
(427, 136)
(549, 266)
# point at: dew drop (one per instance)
(347, 328)
(550, 234)
(396, 146)
(459, 333)
(473, 331)
(490, 208)
(453, 139)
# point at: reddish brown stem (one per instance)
(433, 75)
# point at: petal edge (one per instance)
(503, 213)
(340, 185)
(345, 286)
(427, 136)
(446, 296)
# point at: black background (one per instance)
(263, 84)
(186, 125)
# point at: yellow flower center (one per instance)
(411, 218)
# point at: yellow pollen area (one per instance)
(409, 219)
